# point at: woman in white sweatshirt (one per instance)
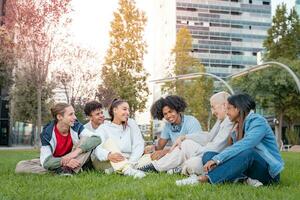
(122, 142)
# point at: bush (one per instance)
(292, 137)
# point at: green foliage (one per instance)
(123, 73)
(292, 137)
(24, 97)
(196, 91)
(283, 37)
(6, 61)
(94, 185)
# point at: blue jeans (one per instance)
(246, 164)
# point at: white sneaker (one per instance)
(176, 170)
(109, 170)
(192, 180)
(253, 182)
(134, 172)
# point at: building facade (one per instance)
(297, 6)
(227, 34)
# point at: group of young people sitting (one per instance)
(241, 146)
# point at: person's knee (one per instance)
(208, 156)
(189, 145)
(19, 167)
(192, 166)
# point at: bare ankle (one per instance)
(203, 179)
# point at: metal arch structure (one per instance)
(190, 76)
(232, 76)
(266, 65)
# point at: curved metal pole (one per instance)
(192, 75)
(266, 65)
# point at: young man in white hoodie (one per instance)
(186, 153)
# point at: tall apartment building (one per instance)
(297, 6)
(227, 34)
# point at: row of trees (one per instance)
(32, 42)
(33, 39)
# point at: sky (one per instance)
(91, 25)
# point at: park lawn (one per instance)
(95, 185)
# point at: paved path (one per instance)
(16, 148)
(295, 148)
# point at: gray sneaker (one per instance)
(192, 180)
(253, 182)
(176, 170)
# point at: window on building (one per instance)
(237, 53)
(219, 11)
(200, 50)
(254, 53)
(238, 66)
(237, 39)
(235, 13)
(250, 1)
(266, 3)
(219, 38)
(219, 52)
(219, 65)
(236, 26)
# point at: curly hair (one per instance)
(91, 106)
(172, 101)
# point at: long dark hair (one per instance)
(244, 103)
(115, 103)
(172, 101)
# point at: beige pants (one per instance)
(34, 165)
(111, 146)
(189, 157)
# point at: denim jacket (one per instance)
(258, 136)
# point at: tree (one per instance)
(196, 92)
(31, 24)
(25, 101)
(123, 73)
(274, 89)
(77, 74)
(6, 63)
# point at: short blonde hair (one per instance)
(220, 97)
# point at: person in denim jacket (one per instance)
(253, 155)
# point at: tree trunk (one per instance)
(39, 117)
(11, 122)
(279, 131)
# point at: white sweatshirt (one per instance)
(130, 141)
(216, 139)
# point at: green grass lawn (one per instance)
(95, 185)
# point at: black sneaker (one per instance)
(148, 168)
(64, 171)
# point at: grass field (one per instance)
(95, 185)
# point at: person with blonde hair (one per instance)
(66, 144)
(253, 155)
